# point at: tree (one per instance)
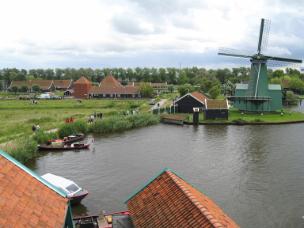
(23, 89)
(171, 88)
(146, 90)
(14, 89)
(214, 92)
(36, 88)
(184, 89)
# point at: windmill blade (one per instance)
(282, 59)
(265, 36)
(276, 64)
(233, 52)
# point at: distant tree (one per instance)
(275, 81)
(214, 92)
(291, 98)
(23, 89)
(146, 90)
(184, 89)
(36, 88)
(171, 88)
(14, 89)
(277, 74)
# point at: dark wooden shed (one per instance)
(186, 103)
(216, 109)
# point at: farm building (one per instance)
(216, 109)
(186, 103)
(82, 87)
(169, 201)
(27, 200)
(109, 87)
(63, 84)
(44, 85)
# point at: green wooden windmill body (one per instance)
(258, 95)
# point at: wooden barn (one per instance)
(82, 88)
(186, 103)
(216, 109)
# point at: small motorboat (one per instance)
(69, 139)
(61, 146)
(74, 193)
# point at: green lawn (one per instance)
(235, 115)
(18, 116)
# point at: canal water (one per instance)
(255, 173)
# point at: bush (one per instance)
(121, 123)
(73, 128)
(24, 149)
(42, 137)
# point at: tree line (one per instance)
(203, 78)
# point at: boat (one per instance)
(61, 146)
(69, 139)
(109, 220)
(74, 193)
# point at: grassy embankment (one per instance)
(17, 118)
(237, 117)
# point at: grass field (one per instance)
(236, 116)
(18, 116)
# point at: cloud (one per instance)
(124, 33)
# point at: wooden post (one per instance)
(195, 116)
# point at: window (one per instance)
(72, 188)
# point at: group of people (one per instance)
(92, 117)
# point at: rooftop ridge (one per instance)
(142, 187)
(192, 198)
(33, 174)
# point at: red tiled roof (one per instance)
(20, 84)
(62, 84)
(83, 80)
(169, 201)
(199, 96)
(216, 104)
(109, 85)
(27, 202)
(43, 84)
(110, 82)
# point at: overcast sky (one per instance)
(152, 33)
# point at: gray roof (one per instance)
(241, 86)
(274, 87)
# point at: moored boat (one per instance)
(74, 193)
(62, 146)
(70, 139)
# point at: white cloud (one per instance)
(57, 32)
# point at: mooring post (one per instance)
(196, 116)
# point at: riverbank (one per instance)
(238, 118)
(25, 148)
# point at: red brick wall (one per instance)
(81, 90)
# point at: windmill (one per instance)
(258, 95)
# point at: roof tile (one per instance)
(169, 201)
(24, 196)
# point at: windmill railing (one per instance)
(249, 98)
